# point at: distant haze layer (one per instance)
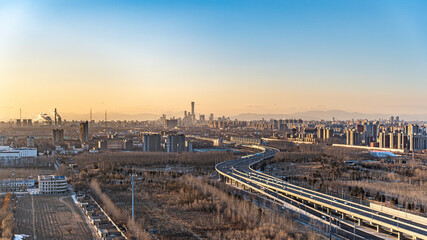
(309, 115)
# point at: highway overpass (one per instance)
(241, 173)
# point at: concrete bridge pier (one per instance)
(359, 222)
(328, 210)
(399, 236)
(343, 216)
(378, 228)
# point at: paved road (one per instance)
(240, 170)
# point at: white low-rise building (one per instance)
(9, 153)
(51, 184)
(16, 185)
(27, 152)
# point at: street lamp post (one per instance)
(133, 196)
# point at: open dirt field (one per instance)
(6, 173)
(50, 217)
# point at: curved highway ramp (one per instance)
(316, 204)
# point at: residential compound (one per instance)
(390, 134)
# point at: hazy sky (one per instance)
(229, 56)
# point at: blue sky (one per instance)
(228, 56)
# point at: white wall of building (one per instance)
(9, 153)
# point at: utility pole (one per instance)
(133, 196)
(14, 181)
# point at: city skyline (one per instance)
(314, 115)
(231, 57)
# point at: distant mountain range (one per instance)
(328, 115)
(308, 115)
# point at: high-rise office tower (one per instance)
(175, 143)
(320, 133)
(57, 136)
(151, 143)
(328, 133)
(192, 111)
(102, 144)
(128, 144)
(84, 132)
(30, 141)
(171, 123)
(353, 137)
(56, 120)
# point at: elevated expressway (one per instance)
(323, 206)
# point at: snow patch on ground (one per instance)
(33, 191)
(73, 196)
(20, 236)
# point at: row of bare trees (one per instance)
(6, 217)
(148, 159)
(255, 222)
(116, 213)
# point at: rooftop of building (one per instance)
(51, 177)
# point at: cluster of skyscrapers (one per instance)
(168, 143)
(189, 119)
(392, 134)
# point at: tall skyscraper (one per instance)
(30, 141)
(175, 143)
(171, 123)
(128, 144)
(192, 111)
(320, 132)
(151, 143)
(84, 132)
(57, 136)
(56, 120)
